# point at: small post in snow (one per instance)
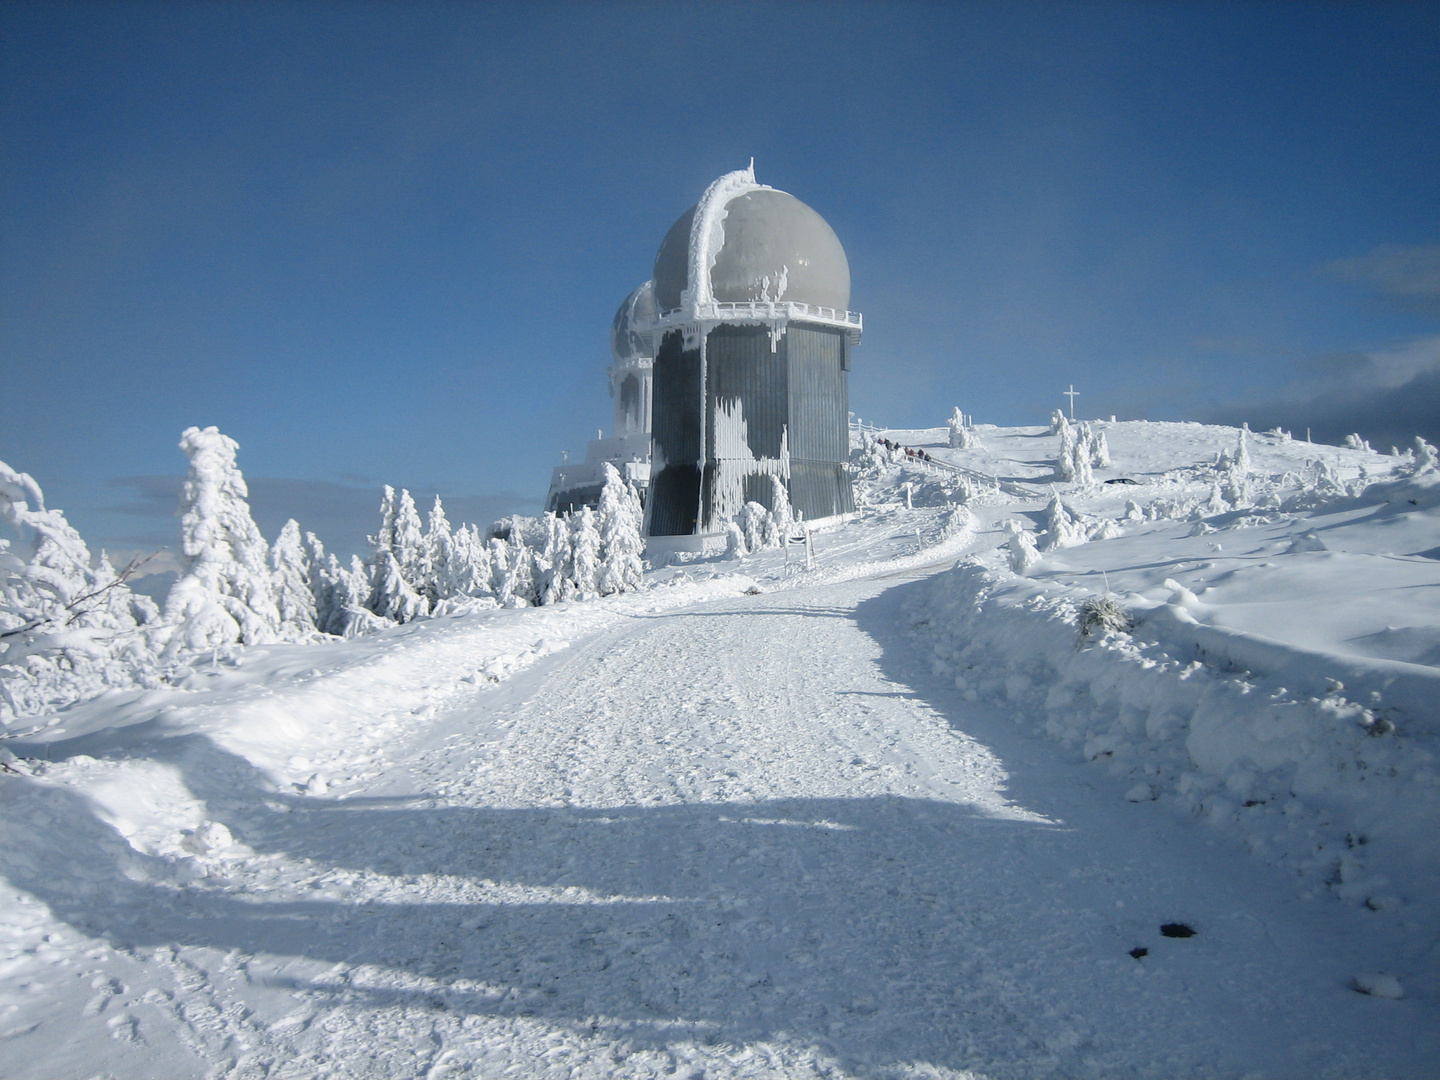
(908, 505)
(1072, 394)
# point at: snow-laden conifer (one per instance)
(442, 569)
(1425, 458)
(1065, 461)
(471, 570)
(755, 525)
(502, 571)
(409, 543)
(585, 552)
(384, 540)
(225, 595)
(559, 579)
(329, 586)
(67, 629)
(780, 508)
(353, 617)
(1023, 552)
(392, 597)
(321, 591)
(621, 568)
(961, 436)
(735, 541)
(1063, 527)
(1242, 452)
(294, 590)
(1100, 450)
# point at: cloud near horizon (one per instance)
(1387, 395)
(1406, 275)
(340, 514)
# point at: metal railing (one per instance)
(757, 311)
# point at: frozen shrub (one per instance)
(1103, 615)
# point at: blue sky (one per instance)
(382, 243)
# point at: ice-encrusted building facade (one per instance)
(752, 338)
(578, 483)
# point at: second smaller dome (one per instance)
(626, 342)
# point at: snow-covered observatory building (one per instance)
(752, 338)
(576, 484)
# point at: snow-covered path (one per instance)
(744, 838)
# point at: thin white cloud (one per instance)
(1407, 274)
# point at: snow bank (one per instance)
(1280, 671)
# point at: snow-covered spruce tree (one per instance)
(502, 572)
(780, 508)
(1065, 460)
(67, 630)
(1100, 450)
(1424, 457)
(322, 586)
(471, 567)
(441, 579)
(637, 507)
(1242, 451)
(734, 541)
(410, 547)
(391, 596)
(585, 553)
(225, 596)
(559, 579)
(294, 589)
(1023, 553)
(353, 618)
(961, 437)
(1235, 485)
(328, 587)
(526, 561)
(620, 567)
(1063, 528)
(384, 540)
(755, 525)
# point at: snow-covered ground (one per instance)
(891, 816)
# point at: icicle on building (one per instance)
(752, 349)
(578, 483)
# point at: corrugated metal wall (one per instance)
(819, 407)
(676, 416)
(740, 366)
(800, 388)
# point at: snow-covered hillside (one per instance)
(920, 808)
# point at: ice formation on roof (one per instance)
(707, 230)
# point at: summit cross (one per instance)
(1072, 394)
